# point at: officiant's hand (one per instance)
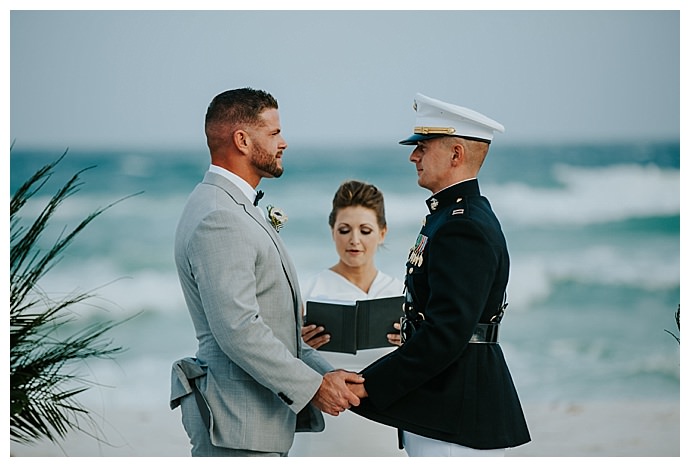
(394, 338)
(313, 337)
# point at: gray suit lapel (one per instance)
(238, 197)
(241, 200)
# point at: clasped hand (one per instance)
(339, 391)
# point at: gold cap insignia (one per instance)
(434, 130)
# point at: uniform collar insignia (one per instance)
(454, 194)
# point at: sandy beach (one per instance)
(577, 429)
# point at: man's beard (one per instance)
(266, 163)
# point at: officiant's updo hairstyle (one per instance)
(356, 193)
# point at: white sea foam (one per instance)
(558, 237)
(586, 196)
(122, 293)
(534, 275)
(583, 196)
(590, 195)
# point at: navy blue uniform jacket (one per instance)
(437, 384)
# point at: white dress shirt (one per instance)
(238, 181)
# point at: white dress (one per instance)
(349, 434)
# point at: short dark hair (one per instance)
(235, 107)
(356, 193)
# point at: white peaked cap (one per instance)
(437, 118)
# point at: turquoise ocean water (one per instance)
(593, 232)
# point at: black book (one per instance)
(358, 326)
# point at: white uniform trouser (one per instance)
(419, 446)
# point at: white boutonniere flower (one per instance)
(276, 217)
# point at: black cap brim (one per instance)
(416, 138)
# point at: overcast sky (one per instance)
(144, 78)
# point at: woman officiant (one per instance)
(358, 227)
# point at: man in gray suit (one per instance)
(253, 382)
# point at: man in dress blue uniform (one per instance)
(447, 388)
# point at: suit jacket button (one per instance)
(285, 398)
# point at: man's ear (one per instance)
(241, 140)
(458, 153)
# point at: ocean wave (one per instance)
(116, 293)
(589, 195)
(534, 276)
(581, 196)
(134, 239)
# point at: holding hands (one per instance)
(339, 391)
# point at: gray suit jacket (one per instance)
(242, 292)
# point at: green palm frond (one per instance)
(677, 315)
(42, 387)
